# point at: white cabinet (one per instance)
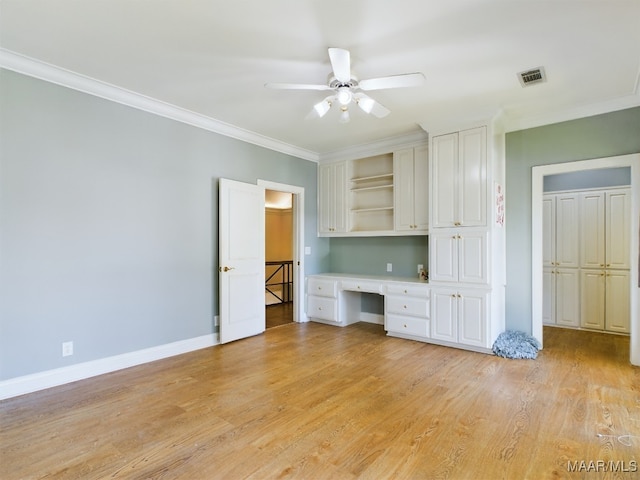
(411, 179)
(561, 259)
(561, 297)
(617, 228)
(322, 299)
(380, 195)
(605, 298)
(406, 311)
(459, 255)
(567, 297)
(332, 210)
(460, 316)
(586, 259)
(459, 179)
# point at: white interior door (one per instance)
(241, 260)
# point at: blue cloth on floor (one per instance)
(513, 344)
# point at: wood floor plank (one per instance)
(315, 401)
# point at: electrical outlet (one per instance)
(420, 268)
(389, 267)
(67, 349)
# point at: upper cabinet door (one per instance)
(472, 182)
(444, 182)
(332, 211)
(411, 180)
(459, 184)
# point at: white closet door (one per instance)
(618, 218)
(593, 299)
(592, 226)
(568, 297)
(568, 230)
(618, 302)
(549, 296)
(549, 231)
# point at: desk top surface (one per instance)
(377, 278)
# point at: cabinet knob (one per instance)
(319, 309)
(405, 325)
(404, 306)
(459, 296)
(457, 224)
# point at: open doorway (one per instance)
(284, 253)
(538, 175)
(278, 287)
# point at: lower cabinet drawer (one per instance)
(322, 307)
(418, 307)
(322, 287)
(408, 326)
(362, 286)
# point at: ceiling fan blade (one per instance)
(341, 64)
(369, 105)
(393, 81)
(296, 86)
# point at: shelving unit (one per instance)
(371, 194)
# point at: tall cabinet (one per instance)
(561, 259)
(605, 262)
(465, 296)
(586, 259)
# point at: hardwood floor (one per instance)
(279, 314)
(313, 401)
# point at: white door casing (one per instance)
(538, 174)
(241, 259)
(299, 314)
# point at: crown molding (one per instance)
(50, 73)
(533, 121)
(384, 145)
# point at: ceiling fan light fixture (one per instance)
(322, 107)
(344, 95)
(366, 104)
(344, 115)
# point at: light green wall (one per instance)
(370, 255)
(616, 133)
(108, 224)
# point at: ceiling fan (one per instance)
(347, 89)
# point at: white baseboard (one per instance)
(59, 376)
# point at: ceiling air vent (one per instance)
(532, 77)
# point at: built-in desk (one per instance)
(334, 298)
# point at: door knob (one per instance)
(225, 269)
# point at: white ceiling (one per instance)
(213, 57)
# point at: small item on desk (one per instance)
(424, 276)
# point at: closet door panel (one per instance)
(618, 302)
(617, 229)
(568, 297)
(568, 230)
(593, 299)
(592, 226)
